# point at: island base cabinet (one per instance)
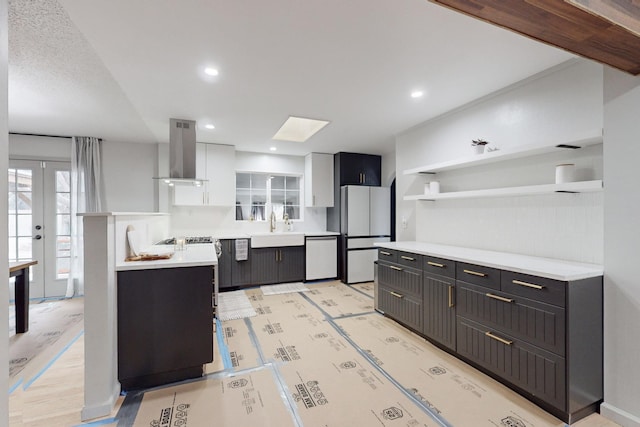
(165, 325)
(535, 371)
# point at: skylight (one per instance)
(299, 129)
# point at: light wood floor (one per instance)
(55, 398)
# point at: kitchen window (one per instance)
(258, 194)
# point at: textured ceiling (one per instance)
(119, 69)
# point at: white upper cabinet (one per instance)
(216, 164)
(318, 180)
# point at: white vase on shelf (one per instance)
(477, 149)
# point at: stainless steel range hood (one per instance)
(182, 153)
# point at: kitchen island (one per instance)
(165, 317)
(105, 251)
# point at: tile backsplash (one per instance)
(561, 226)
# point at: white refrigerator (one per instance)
(364, 220)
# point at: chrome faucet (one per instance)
(272, 222)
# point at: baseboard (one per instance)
(619, 416)
(103, 410)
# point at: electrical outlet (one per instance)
(404, 222)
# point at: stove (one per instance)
(188, 240)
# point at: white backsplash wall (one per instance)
(549, 226)
(220, 221)
(559, 106)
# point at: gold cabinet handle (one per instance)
(499, 298)
(397, 295)
(528, 285)
(502, 340)
(408, 258)
(435, 264)
(395, 268)
(450, 296)
(475, 273)
(385, 253)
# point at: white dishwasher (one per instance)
(321, 257)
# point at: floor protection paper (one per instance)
(443, 383)
(366, 288)
(243, 399)
(52, 324)
(337, 299)
(237, 347)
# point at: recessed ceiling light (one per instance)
(299, 129)
(211, 71)
(273, 148)
(210, 126)
(417, 94)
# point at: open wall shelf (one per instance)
(506, 154)
(571, 187)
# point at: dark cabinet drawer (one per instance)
(534, 287)
(478, 275)
(534, 370)
(443, 267)
(402, 308)
(410, 260)
(540, 324)
(388, 255)
(404, 280)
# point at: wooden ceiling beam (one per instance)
(562, 24)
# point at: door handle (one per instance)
(475, 273)
(502, 340)
(37, 237)
(527, 284)
(499, 298)
(38, 227)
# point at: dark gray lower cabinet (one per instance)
(403, 308)
(400, 293)
(540, 336)
(542, 325)
(534, 370)
(240, 270)
(277, 265)
(440, 309)
(165, 325)
(232, 273)
(225, 262)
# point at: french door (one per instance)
(39, 222)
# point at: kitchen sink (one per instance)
(276, 239)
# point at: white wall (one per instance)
(220, 221)
(561, 105)
(29, 147)
(388, 168)
(128, 169)
(621, 248)
(128, 175)
(4, 254)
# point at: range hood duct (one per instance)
(182, 153)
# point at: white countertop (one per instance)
(536, 266)
(192, 256)
(320, 233)
(247, 234)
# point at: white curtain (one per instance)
(86, 196)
